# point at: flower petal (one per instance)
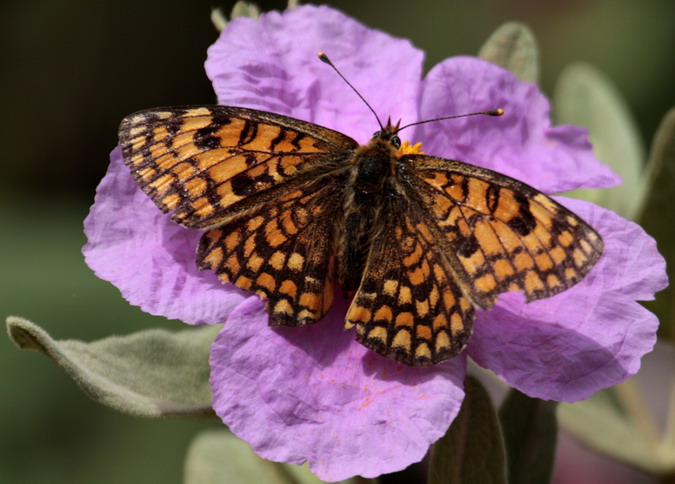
(271, 64)
(587, 338)
(520, 144)
(149, 258)
(314, 394)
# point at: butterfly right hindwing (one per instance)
(409, 306)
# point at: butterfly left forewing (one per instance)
(409, 306)
(208, 164)
(501, 234)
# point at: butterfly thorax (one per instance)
(371, 181)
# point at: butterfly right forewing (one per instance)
(500, 234)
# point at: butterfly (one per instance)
(290, 208)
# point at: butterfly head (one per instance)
(389, 133)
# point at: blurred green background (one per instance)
(72, 69)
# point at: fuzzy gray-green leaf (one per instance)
(530, 431)
(245, 9)
(585, 97)
(513, 47)
(659, 177)
(150, 373)
(657, 214)
(629, 422)
(218, 457)
(472, 449)
(601, 423)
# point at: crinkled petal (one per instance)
(587, 338)
(271, 64)
(315, 394)
(149, 258)
(521, 143)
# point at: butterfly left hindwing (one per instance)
(282, 251)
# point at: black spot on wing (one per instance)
(468, 246)
(206, 139)
(524, 222)
(248, 133)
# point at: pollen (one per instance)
(408, 149)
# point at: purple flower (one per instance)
(313, 393)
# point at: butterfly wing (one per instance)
(500, 234)
(409, 306)
(209, 164)
(283, 251)
(455, 236)
(264, 184)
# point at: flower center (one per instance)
(408, 149)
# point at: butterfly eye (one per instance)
(388, 136)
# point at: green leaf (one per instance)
(530, 430)
(240, 9)
(602, 424)
(150, 373)
(245, 9)
(218, 457)
(472, 449)
(626, 422)
(585, 97)
(513, 47)
(657, 213)
(660, 170)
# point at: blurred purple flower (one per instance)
(313, 393)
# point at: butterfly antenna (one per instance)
(493, 112)
(324, 58)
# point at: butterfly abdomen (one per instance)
(370, 182)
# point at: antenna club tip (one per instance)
(323, 57)
(497, 112)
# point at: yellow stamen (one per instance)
(408, 149)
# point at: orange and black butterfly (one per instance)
(290, 207)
